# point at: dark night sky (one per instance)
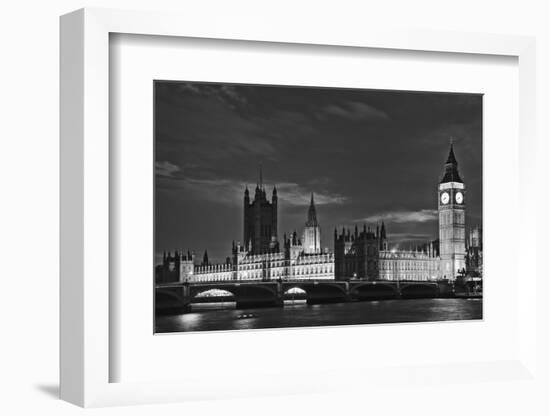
(368, 155)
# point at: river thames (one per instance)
(212, 317)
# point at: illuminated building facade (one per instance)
(261, 258)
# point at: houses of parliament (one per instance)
(358, 253)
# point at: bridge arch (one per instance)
(419, 290)
(214, 293)
(244, 294)
(235, 290)
(167, 296)
(295, 290)
(318, 292)
(169, 300)
(295, 293)
(374, 290)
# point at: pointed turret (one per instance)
(205, 258)
(451, 168)
(312, 214)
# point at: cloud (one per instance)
(408, 241)
(188, 87)
(355, 110)
(225, 93)
(202, 189)
(166, 168)
(231, 191)
(203, 127)
(294, 194)
(250, 146)
(398, 217)
(231, 93)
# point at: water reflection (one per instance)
(209, 316)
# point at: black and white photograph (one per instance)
(291, 206)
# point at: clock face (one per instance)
(459, 197)
(445, 198)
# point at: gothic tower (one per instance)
(260, 221)
(451, 198)
(311, 239)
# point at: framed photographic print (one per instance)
(370, 239)
(326, 209)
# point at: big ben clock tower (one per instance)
(452, 244)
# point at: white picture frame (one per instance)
(85, 222)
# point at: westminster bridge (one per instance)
(180, 296)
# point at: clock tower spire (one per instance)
(452, 243)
